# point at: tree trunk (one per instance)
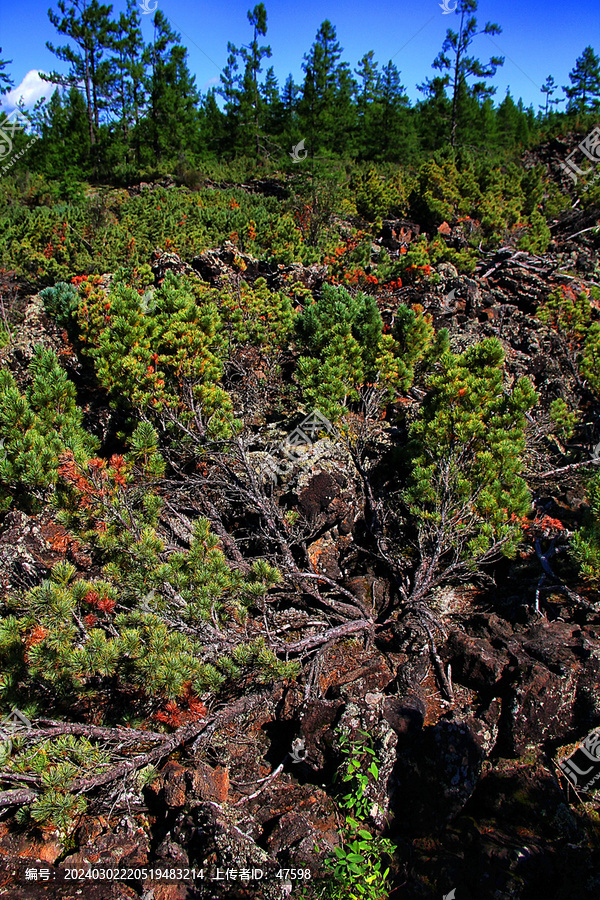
(88, 97)
(456, 81)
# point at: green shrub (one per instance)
(563, 419)
(585, 543)
(376, 198)
(36, 428)
(256, 315)
(466, 457)
(57, 763)
(169, 358)
(567, 312)
(61, 302)
(342, 334)
(348, 350)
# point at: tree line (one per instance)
(127, 107)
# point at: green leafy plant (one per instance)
(349, 351)
(169, 362)
(589, 367)
(257, 316)
(585, 543)
(357, 863)
(375, 196)
(151, 626)
(569, 312)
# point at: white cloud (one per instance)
(31, 89)
(210, 83)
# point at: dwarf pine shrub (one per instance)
(36, 427)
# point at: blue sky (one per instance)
(538, 38)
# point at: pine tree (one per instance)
(437, 197)
(63, 152)
(231, 94)
(589, 365)
(127, 75)
(252, 56)
(342, 334)
(466, 492)
(153, 622)
(386, 131)
(241, 91)
(434, 114)
(273, 110)
(168, 362)
(584, 92)
(368, 132)
(213, 127)
(395, 124)
(347, 350)
(461, 67)
(325, 107)
(257, 316)
(88, 25)
(585, 544)
(549, 88)
(170, 127)
(511, 123)
(36, 428)
(6, 82)
(487, 124)
(369, 75)
(289, 101)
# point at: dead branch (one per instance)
(168, 744)
(445, 684)
(558, 585)
(569, 468)
(316, 640)
(577, 233)
(353, 601)
(266, 782)
(54, 728)
(17, 798)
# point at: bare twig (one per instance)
(569, 468)
(168, 744)
(267, 781)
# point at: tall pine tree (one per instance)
(127, 76)
(88, 25)
(584, 92)
(325, 108)
(6, 82)
(459, 66)
(240, 88)
(171, 125)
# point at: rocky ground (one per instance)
(469, 788)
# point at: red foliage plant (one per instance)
(189, 709)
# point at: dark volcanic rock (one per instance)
(404, 714)
(436, 773)
(475, 662)
(397, 233)
(540, 699)
(163, 261)
(316, 729)
(318, 495)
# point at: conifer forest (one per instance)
(299, 472)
